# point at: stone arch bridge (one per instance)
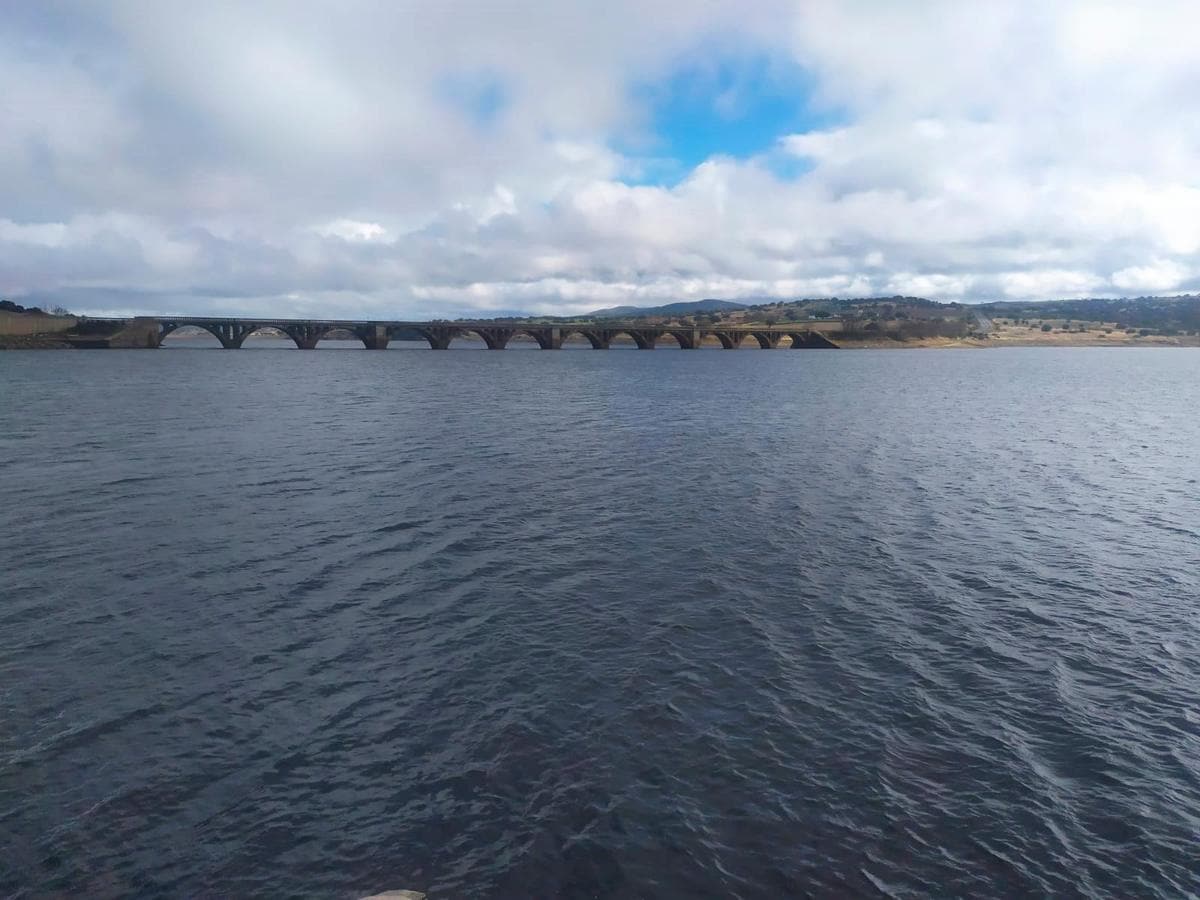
(306, 333)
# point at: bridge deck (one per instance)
(375, 334)
(470, 325)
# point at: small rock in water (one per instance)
(397, 895)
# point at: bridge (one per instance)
(375, 335)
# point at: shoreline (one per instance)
(977, 344)
(53, 342)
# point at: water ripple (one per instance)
(572, 625)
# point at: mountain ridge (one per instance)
(687, 307)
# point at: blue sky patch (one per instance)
(737, 107)
(787, 166)
(481, 96)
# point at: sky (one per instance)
(435, 160)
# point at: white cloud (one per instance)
(1049, 283)
(42, 234)
(271, 157)
(350, 230)
(1160, 275)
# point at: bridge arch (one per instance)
(496, 338)
(729, 340)
(602, 338)
(811, 340)
(593, 337)
(230, 333)
(305, 335)
(285, 330)
(185, 330)
(543, 336)
(686, 338)
(767, 340)
(438, 336)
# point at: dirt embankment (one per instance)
(1092, 336)
(33, 331)
(1006, 335)
(30, 331)
(33, 342)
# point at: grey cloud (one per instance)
(438, 159)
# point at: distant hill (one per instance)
(1166, 315)
(669, 309)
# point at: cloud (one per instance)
(349, 230)
(1160, 275)
(447, 159)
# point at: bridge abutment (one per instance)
(811, 340)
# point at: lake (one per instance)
(588, 624)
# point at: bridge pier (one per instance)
(689, 338)
(305, 336)
(598, 339)
(440, 336)
(374, 337)
(230, 334)
(496, 338)
(729, 340)
(644, 338)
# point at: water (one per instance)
(591, 624)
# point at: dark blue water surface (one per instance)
(581, 624)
